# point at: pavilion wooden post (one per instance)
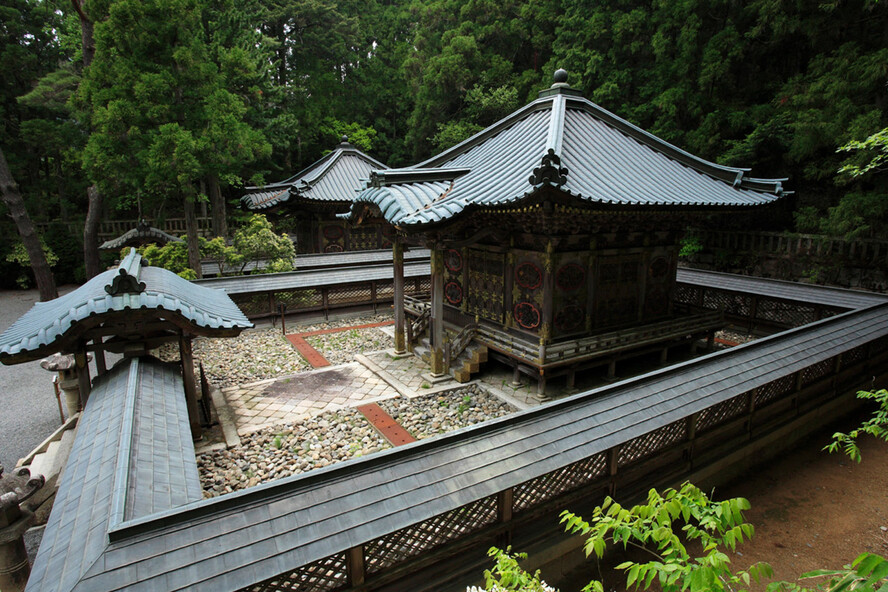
(82, 364)
(398, 261)
(436, 328)
(187, 358)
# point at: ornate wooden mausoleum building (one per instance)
(554, 237)
(313, 198)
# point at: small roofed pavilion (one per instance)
(316, 195)
(128, 310)
(555, 237)
(143, 234)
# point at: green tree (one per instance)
(163, 112)
(256, 242)
(715, 526)
(876, 425)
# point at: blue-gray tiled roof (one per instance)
(334, 178)
(132, 457)
(138, 236)
(608, 161)
(54, 323)
(226, 543)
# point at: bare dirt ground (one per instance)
(815, 510)
(810, 509)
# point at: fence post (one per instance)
(354, 566)
(504, 505)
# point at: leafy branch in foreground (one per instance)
(508, 575)
(868, 572)
(877, 426)
(661, 527)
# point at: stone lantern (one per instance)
(14, 521)
(69, 381)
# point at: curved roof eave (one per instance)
(56, 322)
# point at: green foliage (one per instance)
(876, 425)
(662, 527)
(507, 574)
(168, 99)
(256, 241)
(875, 151)
(19, 255)
(69, 249)
(869, 572)
(690, 246)
(172, 256)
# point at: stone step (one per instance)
(52, 462)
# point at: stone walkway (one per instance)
(373, 377)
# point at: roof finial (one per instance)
(560, 78)
(344, 139)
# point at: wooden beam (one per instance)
(187, 358)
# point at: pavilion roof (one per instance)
(565, 141)
(55, 325)
(337, 177)
(141, 234)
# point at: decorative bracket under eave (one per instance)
(550, 171)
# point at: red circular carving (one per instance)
(570, 276)
(453, 260)
(332, 232)
(333, 248)
(453, 293)
(659, 268)
(529, 276)
(569, 318)
(527, 315)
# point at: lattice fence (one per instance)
(297, 299)
(774, 390)
(791, 314)
(646, 445)
(252, 304)
(551, 485)
(419, 538)
(730, 302)
(854, 356)
(687, 294)
(725, 411)
(321, 576)
(815, 372)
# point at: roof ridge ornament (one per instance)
(127, 280)
(550, 171)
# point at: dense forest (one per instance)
(155, 108)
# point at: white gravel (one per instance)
(285, 450)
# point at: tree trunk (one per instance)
(220, 215)
(191, 232)
(12, 198)
(94, 196)
(86, 32)
(91, 233)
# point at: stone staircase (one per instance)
(467, 363)
(49, 459)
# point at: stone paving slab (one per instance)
(272, 402)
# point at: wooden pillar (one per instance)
(101, 367)
(504, 506)
(187, 359)
(436, 329)
(354, 566)
(398, 262)
(82, 364)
